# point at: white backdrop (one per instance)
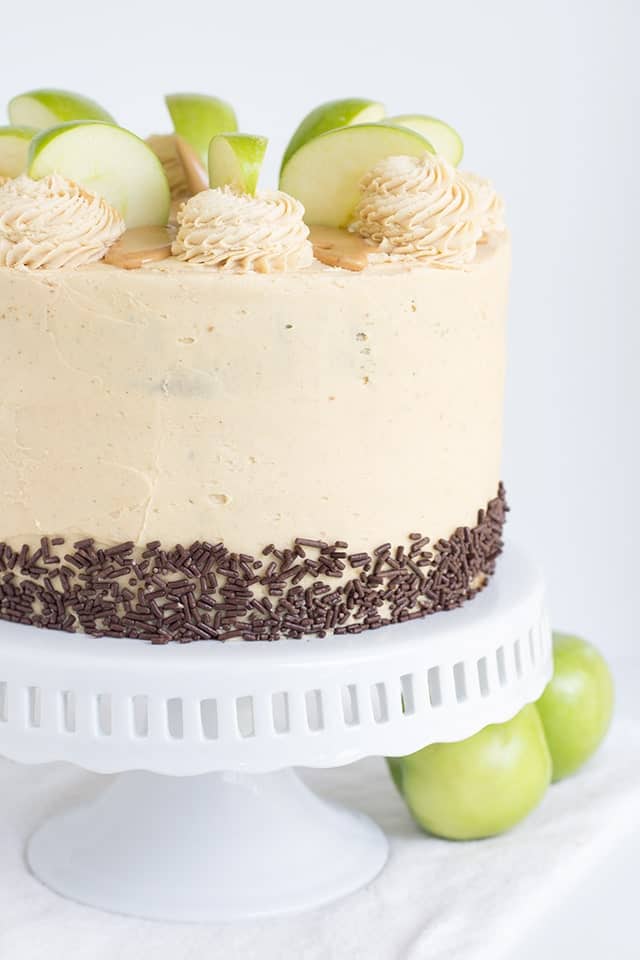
(543, 95)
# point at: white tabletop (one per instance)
(561, 882)
(597, 917)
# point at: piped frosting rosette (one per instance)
(54, 223)
(422, 208)
(265, 232)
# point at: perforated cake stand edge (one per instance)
(242, 833)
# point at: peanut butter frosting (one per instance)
(163, 402)
(422, 208)
(265, 233)
(54, 223)
(490, 204)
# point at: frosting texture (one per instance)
(53, 223)
(489, 203)
(422, 208)
(265, 233)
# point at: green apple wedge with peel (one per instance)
(481, 786)
(106, 160)
(325, 173)
(14, 148)
(330, 116)
(235, 160)
(47, 108)
(446, 141)
(577, 704)
(197, 118)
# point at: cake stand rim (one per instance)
(509, 616)
(516, 575)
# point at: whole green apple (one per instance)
(481, 786)
(395, 770)
(577, 705)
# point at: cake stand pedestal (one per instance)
(207, 821)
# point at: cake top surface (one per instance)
(357, 191)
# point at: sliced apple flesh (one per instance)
(330, 116)
(197, 118)
(46, 108)
(445, 140)
(109, 161)
(14, 148)
(235, 160)
(325, 174)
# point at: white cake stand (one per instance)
(207, 821)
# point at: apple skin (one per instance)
(198, 117)
(395, 771)
(107, 160)
(235, 160)
(481, 786)
(577, 705)
(445, 140)
(325, 174)
(329, 116)
(45, 108)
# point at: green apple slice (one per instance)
(197, 118)
(14, 147)
(446, 141)
(235, 160)
(330, 116)
(325, 174)
(106, 160)
(46, 108)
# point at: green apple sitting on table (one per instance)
(577, 705)
(480, 786)
(46, 108)
(487, 783)
(109, 161)
(197, 118)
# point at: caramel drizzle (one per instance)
(140, 245)
(338, 248)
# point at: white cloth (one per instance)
(434, 900)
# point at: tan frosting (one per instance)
(265, 233)
(421, 208)
(489, 202)
(53, 223)
(177, 403)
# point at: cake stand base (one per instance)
(215, 847)
(206, 821)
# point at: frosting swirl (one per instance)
(53, 223)
(422, 208)
(265, 233)
(490, 204)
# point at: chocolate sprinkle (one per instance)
(205, 592)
